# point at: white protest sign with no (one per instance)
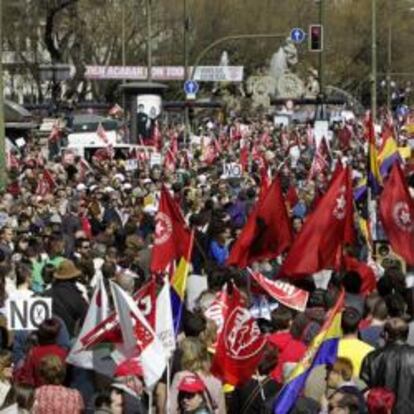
(232, 170)
(27, 314)
(155, 159)
(131, 165)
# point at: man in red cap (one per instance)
(192, 396)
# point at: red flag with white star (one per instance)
(325, 231)
(397, 214)
(240, 344)
(172, 237)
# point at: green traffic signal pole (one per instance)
(321, 53)
(3, 174)
(374, 60)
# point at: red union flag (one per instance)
(283, 292)
(240, 343)
(172, 237)
(217, 310)
(397, 214)
(326, 230)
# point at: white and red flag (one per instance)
(98, 311)
(138, 338)
(100, 131)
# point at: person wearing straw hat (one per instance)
(68, 301)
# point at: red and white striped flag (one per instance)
(100, 131)
(320, 162)
(170, 160)
(54, 135)
(11, 162)
(46, 184)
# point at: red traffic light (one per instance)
(315, 38)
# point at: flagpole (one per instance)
(168, 404)
(259, 382)
(150, 401)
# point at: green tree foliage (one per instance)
(90, 32)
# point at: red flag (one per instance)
(84, 168)
(283, 292)
(54, 135)
(244, 157)
(310, 136)
(325, 230)
(292, 196)
(240, 343)
(169, 161)
(264, 182)
(345, 137)
(156, 137)
(46, 184)
(210, 152)
(267, 232)
(12, 163)
(102, 154)
(397, 214)
(172, 237)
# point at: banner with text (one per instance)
(166, 73)
(283, 292)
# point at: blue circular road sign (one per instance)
(297, 35)
(191, 87)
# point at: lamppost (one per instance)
(149, 40)
(321, 53)
(55, 73)
(3, 175)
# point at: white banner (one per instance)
(166, 73)
(219, 74)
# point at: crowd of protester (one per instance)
(99, 218)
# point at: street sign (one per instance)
(297, 35)
(191, 88)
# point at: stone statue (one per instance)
(312, 87)
(224, 59)
(260, 88)
(283, 60)
(225, 88)
(281, 69)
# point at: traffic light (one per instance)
(315, 38)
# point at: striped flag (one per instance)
(322, 350)
(179, 285)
